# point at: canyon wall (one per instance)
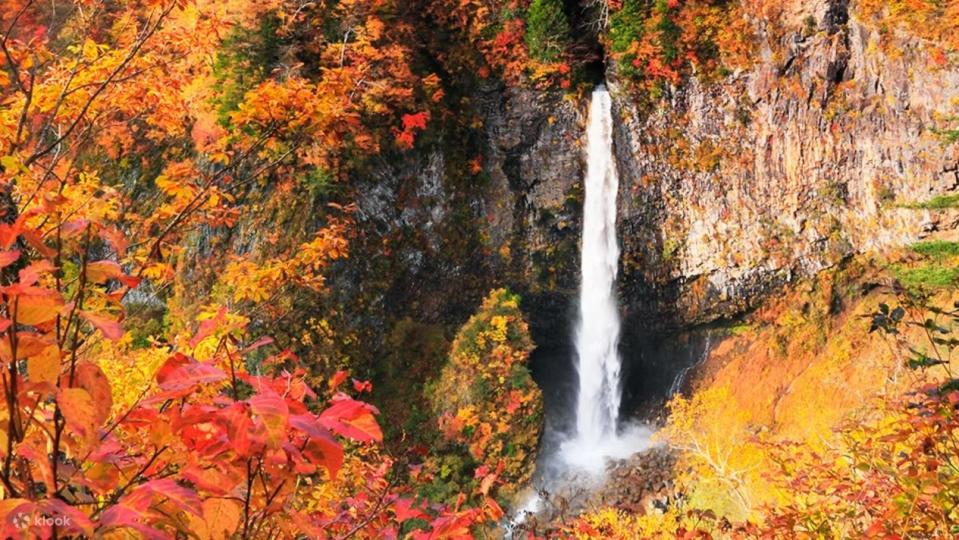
(732, 188)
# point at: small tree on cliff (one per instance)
(547, 30)
(485, 399)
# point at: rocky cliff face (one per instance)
(452, 234)
(731, 189)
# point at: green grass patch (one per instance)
(929, 276)
(939, 202)
(937, 249)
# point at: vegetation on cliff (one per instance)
(486, 402)
(834, 415)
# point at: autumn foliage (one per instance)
(485, 399)
(125, 130)
(663, 42)
(885, 469)
(499, 30)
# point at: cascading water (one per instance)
(598, 436)
(597, 332)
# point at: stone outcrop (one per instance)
(731, 189)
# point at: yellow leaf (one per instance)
(10, 164)
(89, 50)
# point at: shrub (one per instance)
(928, 276)
(939, 202)
(937, 249)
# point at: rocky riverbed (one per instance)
(640, 484)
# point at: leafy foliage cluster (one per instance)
(659, 43)
(126, 130)
(524, 42)
(933, 20)
(888, 469)
(485, 398)
(547, 30)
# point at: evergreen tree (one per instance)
(547, 30)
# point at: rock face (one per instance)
(731, 189)
(536, 166)
(454, 234)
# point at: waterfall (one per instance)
(597, 333)
(597, 435)
(597, 330)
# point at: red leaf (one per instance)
(124, 516)
(404, 511)
(415, 121)
(362, 386)
(74, 520)
(352, 419)
(9, 257)
(271, 411)
(337, 379)
(239, 428)
(144, 495)
(208, 327)
(9, 234)
(180, 375)
(326, 453)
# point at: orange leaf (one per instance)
(352, 419)
(31, 274)
(222, 518)
(44, 367)
(91, 378)
(77, 408)
(110, 328)
(103, 271)
(37, 308)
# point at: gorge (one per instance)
(450, 269)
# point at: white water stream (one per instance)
(598, 437)
(597, 334)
